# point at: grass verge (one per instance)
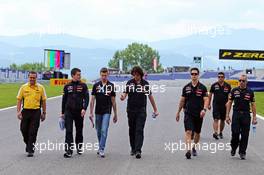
(8, 93)
(260, 103)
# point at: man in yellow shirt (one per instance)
(33, 97)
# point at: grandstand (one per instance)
(170, 76)
(257, 74)
(231, 74)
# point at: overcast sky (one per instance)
(127, 19)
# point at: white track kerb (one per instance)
(12, 107)
(260, 117)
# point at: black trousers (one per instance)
(240, 131)
(136, 123)
(75, 116)
(29, 127)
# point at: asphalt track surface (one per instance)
(157, 159)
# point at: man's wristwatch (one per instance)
(44, 112)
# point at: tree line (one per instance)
(38, 67)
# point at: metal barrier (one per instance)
(8, 75)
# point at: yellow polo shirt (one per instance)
(32, 95)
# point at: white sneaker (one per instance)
(101, 153)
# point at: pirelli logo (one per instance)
(61, 82)
(241, 55)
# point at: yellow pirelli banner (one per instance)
(61, 82)
(227, 54)
(233, 83)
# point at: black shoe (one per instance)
(132, 153)
(221, 135)
(138, 155)
(194, 152)
(242, 156)
(233, 153)
(188, 155)
(67, 155)
(30, 154)
(215, 136)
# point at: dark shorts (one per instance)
(219, 113)
(193, 123)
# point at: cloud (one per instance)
(135, 19)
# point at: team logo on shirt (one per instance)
(70, 89)
(226, 89)
(26, 92)
(188, 90)
(79, 88)
(247, 96)
(237, 94)
(217, 87)
(199, 92)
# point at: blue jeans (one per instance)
(102, 125)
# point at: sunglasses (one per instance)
(242, 81)
(221, 77)
(194, 74)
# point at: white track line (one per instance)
(12, 107)
(260, 117)
(51, 98)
